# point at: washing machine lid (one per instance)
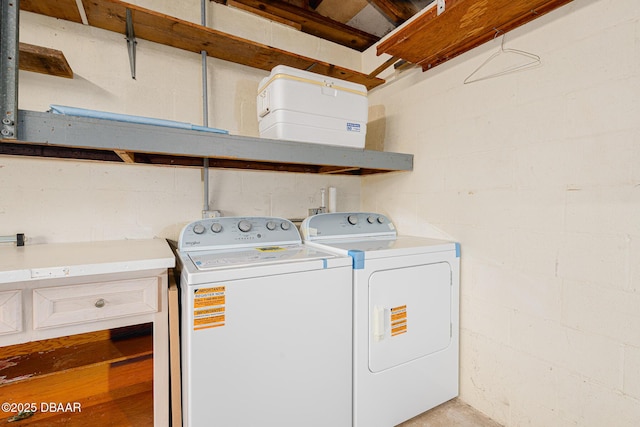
(255, 256)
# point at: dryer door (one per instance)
(409, 314)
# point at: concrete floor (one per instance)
(453, 413)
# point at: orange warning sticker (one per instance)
(399, 320)
(209, 307)
(209, 301)
(206, 320)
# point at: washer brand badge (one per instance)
(353, 127)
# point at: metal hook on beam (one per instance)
(131, 44)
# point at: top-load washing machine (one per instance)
(405, 314)
(266, 326)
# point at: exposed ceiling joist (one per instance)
(312, 23)
(397, 11)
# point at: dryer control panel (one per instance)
(237, 232)
(347, 224)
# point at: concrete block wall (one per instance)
(537, 175)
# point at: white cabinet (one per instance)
(85, 325)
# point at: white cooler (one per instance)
(301, 106)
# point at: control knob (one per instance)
(271, 225)
(353, 219)
(285, 225)
(198, 228)
(244, 226)
(371, 219)
(216, 227)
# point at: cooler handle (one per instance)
(263, 98)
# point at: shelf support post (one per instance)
(9, 27)
(131, 44)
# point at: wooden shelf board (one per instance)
(43, 60)
(432, 39)
(159, 28)
(55, 135)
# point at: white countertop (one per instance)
(54, 260)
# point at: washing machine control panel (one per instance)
(226, 232)
(345, 224)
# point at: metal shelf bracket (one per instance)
(131, 44)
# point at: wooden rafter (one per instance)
(313, 23)
(397, 11)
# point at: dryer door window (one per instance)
(409, 314)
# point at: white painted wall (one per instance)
(63, 200)
(537, 174)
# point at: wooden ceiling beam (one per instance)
(397, 11)
(315, 24)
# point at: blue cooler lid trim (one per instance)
(324, 263)
(357, 258)
(457, 250)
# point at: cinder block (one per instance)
(594, 257)
(631, 379)
(593, 405)
(608, 312)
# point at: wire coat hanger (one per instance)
(534, 61)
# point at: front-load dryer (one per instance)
(266, 326)
(405, 314)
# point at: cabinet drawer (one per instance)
(67, 305)
(10, 312)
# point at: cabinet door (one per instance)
(10, 312)
(409, 314)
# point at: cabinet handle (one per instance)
(100, 303)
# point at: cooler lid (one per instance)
(286, 72)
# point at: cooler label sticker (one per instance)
(398, 320)
(209, 308)
(353, 127)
